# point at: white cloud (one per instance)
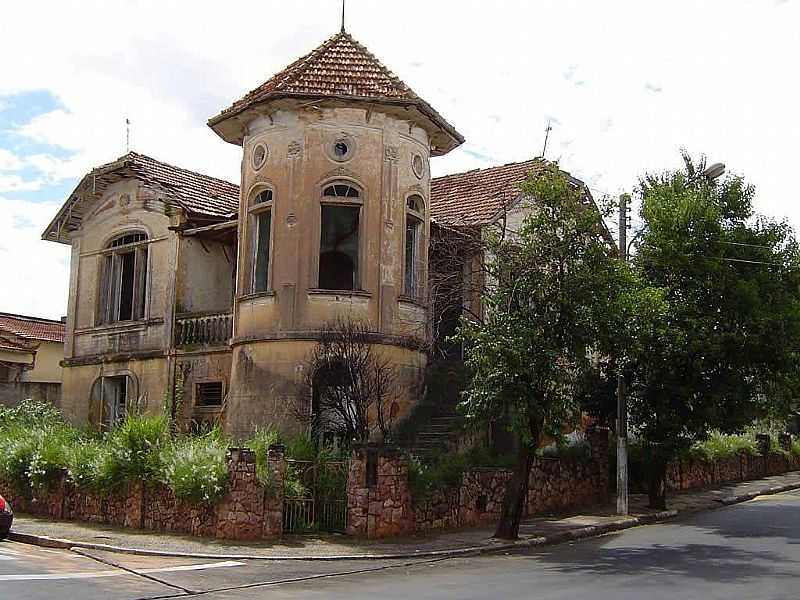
(9, 161)
(35, 273)
(15, 183)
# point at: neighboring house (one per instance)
(31, 350)
(209, 297)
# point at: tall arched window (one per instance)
(413, 267)
(260, 236)
(339, 237)
(123, 279)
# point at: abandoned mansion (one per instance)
(211, 296)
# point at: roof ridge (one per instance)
(484, 169)
(30, 318)
(172, 166)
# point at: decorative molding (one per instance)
(391, 152)
(295, 149)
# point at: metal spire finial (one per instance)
(343, 1)
(127, 135)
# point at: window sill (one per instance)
(323, 292)
(267, 294)
(121, 326)
(412, 300)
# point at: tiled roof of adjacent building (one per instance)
(339, 68)
(477, 197)
(32, 328)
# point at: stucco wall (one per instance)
(47, 368)
(205, 276)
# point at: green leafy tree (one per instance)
(721, 348)
(552, 300)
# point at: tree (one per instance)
(351, 384)
(721, 348)
(551, 302)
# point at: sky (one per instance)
(625, 85)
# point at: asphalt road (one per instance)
(748, 551)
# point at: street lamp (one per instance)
(715, 171)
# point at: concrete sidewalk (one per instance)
(533, 532)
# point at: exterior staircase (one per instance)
(438, 424)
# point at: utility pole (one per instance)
(622, 408)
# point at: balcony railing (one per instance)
(203, 329)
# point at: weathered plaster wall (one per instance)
(125, 206)
(151, 382)
(205, 276)
(274, 332)
(270, 383)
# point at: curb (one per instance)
(765, 492)
(556, 538)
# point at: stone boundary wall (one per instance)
(381, 506)
(248, 511)
(693, 474)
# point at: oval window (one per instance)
(260, 154)
(418, 166)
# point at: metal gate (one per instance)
(315, 496)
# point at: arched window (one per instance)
(110, 398)
(123, 279)
(339, 237)
(413, 267)
(260, 236)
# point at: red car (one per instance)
(6, 517)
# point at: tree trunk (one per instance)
(657, 482)
(516, 496)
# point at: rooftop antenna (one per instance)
(127, 135)
(547, 131)
(343, 1)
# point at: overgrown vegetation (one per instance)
(446, 470)
(37, 445)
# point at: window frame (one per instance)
(197, 395)
(341, 201)
(110, 271)
(417, 214)
(254, 212)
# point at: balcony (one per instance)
(203, 329)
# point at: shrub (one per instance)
(83, 463)
(301, 447)
(51, 457)
(133, 451)
(720, 446)
(18, 449)
(195, 468)
(259, 443)
(30, 414)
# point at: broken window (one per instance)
(123, 279)
(413, 264)
(112, 396)
(339, 238)
(261, 219)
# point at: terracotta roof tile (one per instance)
(32, 328)
(198, 193)
(476, 197)
(339, 67)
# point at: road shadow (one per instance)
(774, 518)
(708, 562)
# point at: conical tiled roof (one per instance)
(338, 68)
